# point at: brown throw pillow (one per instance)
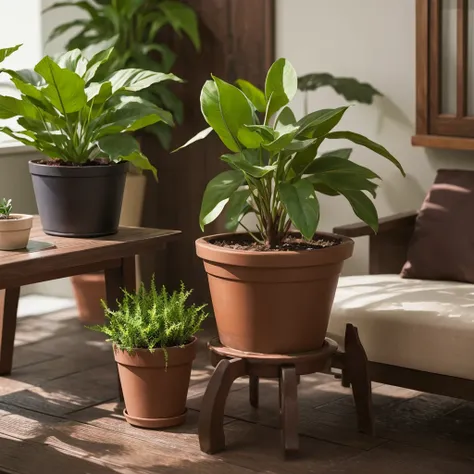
(442, 246)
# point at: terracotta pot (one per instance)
(89, 290)
(155, 392)
(273, 302)
(15, 232)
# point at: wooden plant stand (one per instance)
(231, 364)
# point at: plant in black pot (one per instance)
(83, 127)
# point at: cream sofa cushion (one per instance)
(417, 324)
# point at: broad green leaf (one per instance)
(254, 94)
(217, 194)
(285, 117)
(248, 138)
(133, 80)
(344, 181)
(182, 18)
(131, 114)
(240, 162)
(65, 88)
(333, 164)
(212, 114)
(236, 209)
(168, 58)
(99, 91)
(321, 122)
(302, 206)
(94, 64)
(266, 132)
(17, 136)
(363, 208)
(73, 61)
(60, 29)
(199, 136)
(304, 158)
(280, 85)
(286, 135)
(11, 107)
(364, 141)
(344, 153)
(300, 145)
(5, 52)
(123, 147)
(235, 109)
(162, 132)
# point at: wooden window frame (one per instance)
(434, 128)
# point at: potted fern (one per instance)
(14, 228)
(153, 336)
(82, 125)
(272, 287)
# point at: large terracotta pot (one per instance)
(155, 386)
(273, 302)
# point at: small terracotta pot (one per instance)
(89, 290)
(273, 302)
(154, 391)
(15, 232)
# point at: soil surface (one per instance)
(290, 244)
(11, 218)
(97, 162)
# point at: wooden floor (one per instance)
(58, 414)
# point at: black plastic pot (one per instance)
(79, 201)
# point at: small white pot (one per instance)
(15, 232)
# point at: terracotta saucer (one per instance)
(154, 423)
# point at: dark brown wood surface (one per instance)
(438, 141)
(71, 256)
(237, 42)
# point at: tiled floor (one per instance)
(58, 414)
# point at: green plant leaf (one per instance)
(301, 145)
(96, 61)
(212, 114)
(286, 135)
(168, 58)
(363, 208)
(217, 194)
(266, 132)
(321, 122)
(236, 208)
(99, 91)
(73, 61)
(304, 158)
(65, 88)
(162, 132)
(11, 107)
(364, 141)
(344, 153)
(17, 136)
(182, 18)
(199, 136)
(280, 85)
(248, 138)
(344, 181)
(5, 52)
(285, 117)
(133, 80)
(301, 205)
(240, 162)
(254, 94)
(234, 107)
(131, 114)
(335, 165)
(61, 29)
(123, 147)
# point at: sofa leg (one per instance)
(357, 373)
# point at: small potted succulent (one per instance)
(153, 336)
(83, 127)
(272, 287)
(14, 228)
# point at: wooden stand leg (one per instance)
(8, 309)
(211, 418)
(356, 367)
(116, 280)
(253, 391)
(289, 409)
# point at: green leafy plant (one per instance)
(68, 115)
(152, 319)
(351, 89)
(132, 26)
(5, 208)
(276, 168)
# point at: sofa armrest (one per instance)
(396, 222)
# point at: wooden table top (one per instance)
(46, 253)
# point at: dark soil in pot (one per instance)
(155, 385)
(273, 301)
(78, 201)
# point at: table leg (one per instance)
(211, 418)
(289, 409)
(357, 372)
(118, 279)
(253, 390)
(8, 309)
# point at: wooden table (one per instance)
(65, 257)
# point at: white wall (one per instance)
(374, 41)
